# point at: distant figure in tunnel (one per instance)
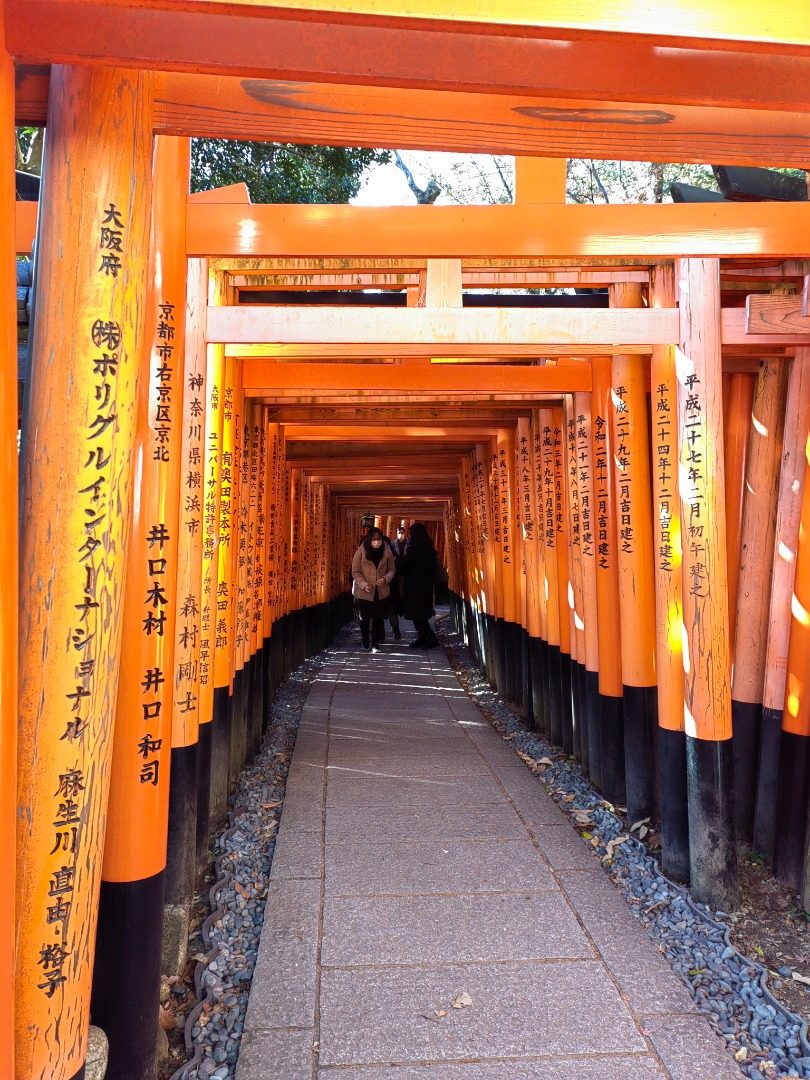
(417, 570)
(372, 573)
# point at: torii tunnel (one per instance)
(616, 480)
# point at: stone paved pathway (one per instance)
(419, 860)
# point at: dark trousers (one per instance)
(372, 618)
(424, 631)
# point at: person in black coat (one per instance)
(417, 572)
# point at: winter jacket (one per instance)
(364, 572)
(417, 569)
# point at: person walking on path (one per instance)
(372, 573)
(397, 550)
(417, 570)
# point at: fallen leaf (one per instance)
(545, 761)
(796, 977)
(639, 824)
(611, 846)
(440, 1012)
(741, 1054)
(167, 1020)
(271, 805)
(462, 1001)
(586, 835)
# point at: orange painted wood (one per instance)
(256, 45)
(527, 512)
(757, 532)
(588, 525)
(230, 193)
(25, 217)
(562, 528)
(556, 607)
(572, 232)
(447, 331)
(797, 692)
(634, 525)
(776, 315)
(575, 572)
(707, 661)
(667, 546)
(540, 180)
(77, 468)
(9, 646)
(138, 807)
(607, 558)
(261, 377)
(510, 544)
(222, 611)
(186, 699)
(791, 480)
(212, 458)
(736, 427)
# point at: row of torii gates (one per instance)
(619, 492)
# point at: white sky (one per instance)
(385, 185)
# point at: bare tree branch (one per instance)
(599, 184)
(424, 196)
(510, 195)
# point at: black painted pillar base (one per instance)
(791, 810)
(640, 751)
(526, 700)
(593, 725)
(499, 655)
(257, 665)
(80, 1075)
(712, 844)
(580, 743)
(770, 744)
(238, 727)
(576, 712)
(566, 703)
(611, 711)
(267, 678)
(555, 706)
(491, 649)
(509, 636)
(126, 975)
(538, 679)
(674, 805)
(746, 719)
(203, 794)
(181, 853)
(220, 756)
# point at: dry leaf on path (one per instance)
(462, 1001)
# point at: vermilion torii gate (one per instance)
(182, 447)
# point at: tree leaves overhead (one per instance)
(282, 172)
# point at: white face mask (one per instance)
(376, 543)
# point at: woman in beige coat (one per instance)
(372, 574)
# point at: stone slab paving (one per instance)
(418, 864)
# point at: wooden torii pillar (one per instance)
(707, 663)
(77, 476)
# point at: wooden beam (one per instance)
(776, 315)
(443, 331)
(260, 43)
(263, 378)
(471, 279)
(292, 333)
(586, 233)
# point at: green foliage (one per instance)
(282, 172)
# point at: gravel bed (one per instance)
(243, 855)
(730, 989)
